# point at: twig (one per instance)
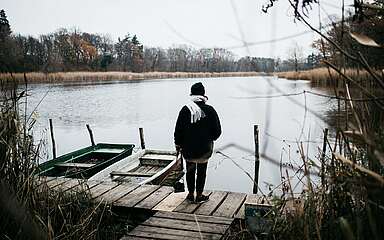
(371, 173)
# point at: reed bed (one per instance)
(60, 77)
(324, 77)
(343, 197)
(29, 209)
(346, 204)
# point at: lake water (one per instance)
(116, 111)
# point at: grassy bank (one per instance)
(30, 210)
(60, 77)
(323, 77)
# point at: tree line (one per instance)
(74, 50)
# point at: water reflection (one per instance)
(116, 111)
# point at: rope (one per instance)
(315, 94)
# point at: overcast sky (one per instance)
(163, 23)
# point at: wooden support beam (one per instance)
(131, 174)
(257, 158)
(142, 142)
(322, 159)
(90, 135)
(53, 139)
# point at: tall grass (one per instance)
(348, 202)
(59, 77)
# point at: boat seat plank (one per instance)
(193, 217)
(186, 225)
(251, 199)
(156, 197)
(230, 205)
(215, 199)
(158, 157)
(171, 202)
(187, 207)
(109, 150)
(131, 174)
(136, 195)
(117, 192)
(75, 165)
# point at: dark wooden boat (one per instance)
(144, 167)
(85, 162)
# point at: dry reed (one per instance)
(324, 77)
(60, 77)
(28, 210)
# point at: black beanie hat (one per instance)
(197, 89)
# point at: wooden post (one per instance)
(142, 142)
(53, 139)
(257, 158)
(90, 134)
(322, 159)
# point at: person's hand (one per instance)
(178, 148)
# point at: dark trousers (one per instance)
(201, 175)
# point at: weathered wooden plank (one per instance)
(102, 188)
(143, 169)
(69, 184)
(215, 199)
(131, 174)
(193, 217)
(150, 169)
(230, 205)
(136, 195)
(188, 207)
(84, 186)
(91, 184)
(43, 179)
(155, 169)
(168, 233)
(75, 165)
(153, 235)
(56, 182)
(180, 233)
(117, 192)
(133, 238)
(251, 198)
(171, 202)
(156, 197)
(186, 225)
(156, 162)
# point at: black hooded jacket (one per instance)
(196, 139)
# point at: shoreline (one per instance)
(327, 77)
(96, 77)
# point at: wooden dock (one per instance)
(174, 218)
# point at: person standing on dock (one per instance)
(197, 126)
